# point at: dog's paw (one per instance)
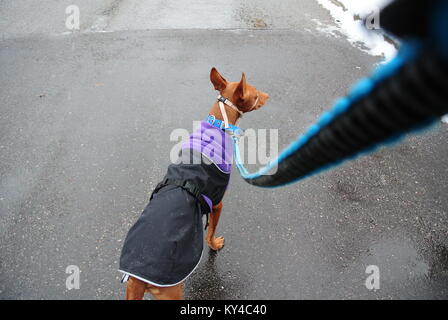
(216, 243)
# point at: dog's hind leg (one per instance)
(167, 293)
(213, 242)
(135, 289)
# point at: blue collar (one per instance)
(232, 129)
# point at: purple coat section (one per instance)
(214, 144)
(209, 202)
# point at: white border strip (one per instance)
(164, 285)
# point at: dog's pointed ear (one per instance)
(219, 82)
(240, 90)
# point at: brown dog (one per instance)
(245, 98)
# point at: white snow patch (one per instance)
(349, 15)
(445, 118)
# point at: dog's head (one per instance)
(246, 97)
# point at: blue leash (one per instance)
(405, 95)
(362, 88)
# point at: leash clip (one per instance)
(211, 119)
(236, 133)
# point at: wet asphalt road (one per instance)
(85, 120)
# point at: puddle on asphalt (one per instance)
(210, 282)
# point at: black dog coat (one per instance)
(165, 245)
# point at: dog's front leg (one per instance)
(213, 242)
